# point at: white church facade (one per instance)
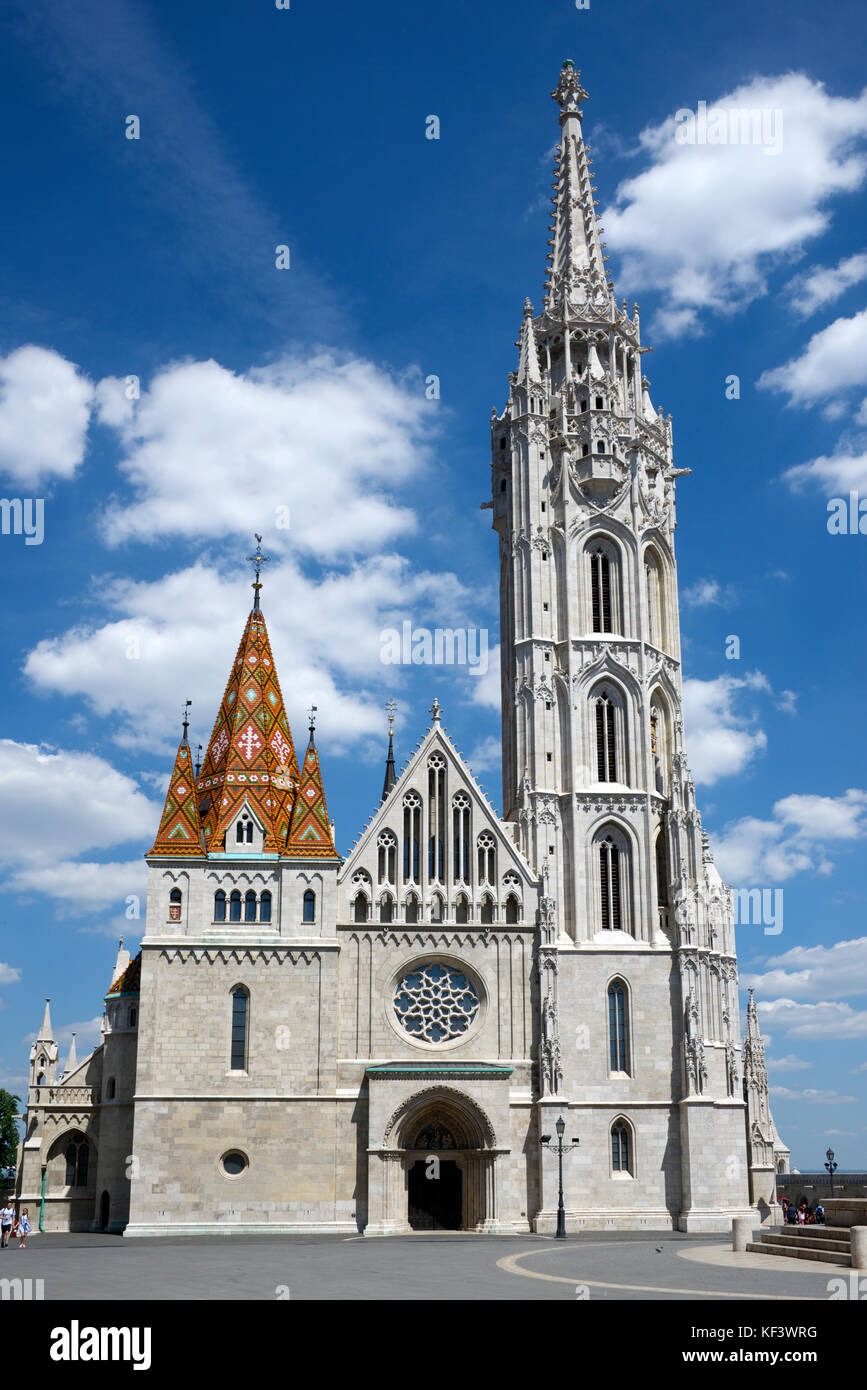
(381, 1042)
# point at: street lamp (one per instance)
(832, 1167)
(560, 1126)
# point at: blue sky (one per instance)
(263, 389)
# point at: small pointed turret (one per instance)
(528, 361)
(121, 963)
(45, 1034)
(310, 834)
(43, 1053)
(180, 831)
(72, 1059)
(390, 774)
(576, 256)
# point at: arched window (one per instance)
(239, 832)
(462, 909)
(461, 837)
(487, 913)
(386, 909)
(655, 588)
(387, 857)
(660, 745)
(133, 1017)
(436, 790)
(219, 906)
(618, 1040)
(412, 908)
(249, 906)
(610, 902)
(661, 870)
(110, 1089)
(77, 1163)
(606, 738)
(175, 905)
(512, 909)
(487, 847)
(602, 558)
(360, 908)
(308, 913)
(411, 837)
(71, 1162)
(621, 1159)
(265, 907)
(235, 906)
(240, 1028)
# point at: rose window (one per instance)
(436, 1003)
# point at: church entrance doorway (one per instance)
(435, 1197)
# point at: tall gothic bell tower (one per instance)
(639, 977)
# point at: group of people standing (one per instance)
(802, 1215)
(16, 1226)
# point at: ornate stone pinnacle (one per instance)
(569, 93)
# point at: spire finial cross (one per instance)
(257, 561)
(186, 718)
(435, 710)
(391, 710)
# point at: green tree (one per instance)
(8, 1132)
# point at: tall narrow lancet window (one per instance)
(436, 818)
(308, 913)
(387, 857)
(461, 837)
(487, 914)
(655, 588)
(618, 1040)
(265, 907)
(600, 590)
(235, 906)
(249, 906)
(487, 847)
(609, 886)
(360, 908)
(620, 1156)
(606, 745)
(240, 1028)
(411, 837)
(437, 908)
(462, 909)
(219, 906)
(175, 898)
(513, 910)
(386, 909)
(661, 875)
(412, 908)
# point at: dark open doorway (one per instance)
(435, 1200)
(104, 1208)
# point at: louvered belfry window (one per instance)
(606, 748)
(600, 586)
(609, 877)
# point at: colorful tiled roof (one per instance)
(251, 756)
(130, 981)
(180, 832)
(310, 832)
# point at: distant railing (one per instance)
(66, 1095)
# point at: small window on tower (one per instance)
(503, 485)
(502, 443)
(585, 449)
(600, 403)
(600, 447)
(583, 405)
(544, 608)
(547, 704)
(548, 755)
(544, 507)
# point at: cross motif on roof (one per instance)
(257, 561)
(249, 742)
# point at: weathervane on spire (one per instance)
(391, 710)
(186, 718)
(569, 93)
(435, 710)
(311, 715)
(257, 560)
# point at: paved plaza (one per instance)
(419, 1267)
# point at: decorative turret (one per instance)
(390, 774)
(767, 1154)
(310, 834)
(180, 832)
(43, 1053)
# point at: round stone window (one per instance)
(436, 1003)
(234, 1163)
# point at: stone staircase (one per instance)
(830, 1244)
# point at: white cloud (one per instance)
(789, 1063)
(832, 364)
(862, 1067)
(44, 412)
(813, 972)
(707, 592)
(797, 839)
(705, 223)
(839, 473)
(9, 974)
(823, 284)
(828, 1019)
(812, 1097)
(80, 887)
(88, 1035)
(720, 741)
(185, 627)
(308, 451)
(486, 755)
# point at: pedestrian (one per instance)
(820, 1214)
(784, 1209)
(802, 1214)
(7, 1217)
(23, 1229)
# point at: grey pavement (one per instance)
(607, 1267)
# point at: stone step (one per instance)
(836, 1233)
(800, 1252)
(813, 1242)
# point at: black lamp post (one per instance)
(560, 1126)
(832, 1168)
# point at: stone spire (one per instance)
(43, 1053)
(72, 1059)
(390, 774)
(528, 360)
(576, 263)
(310, 834)
(45, 1033)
